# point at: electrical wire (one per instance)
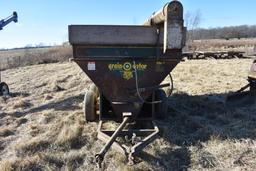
(137, 87)
(170, 91)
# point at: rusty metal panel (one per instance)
(113, 35)
(173, 36)
(116, 79)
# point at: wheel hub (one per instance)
(4, 89)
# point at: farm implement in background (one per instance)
(8, 20)
(242, 95)
(4, 89)
(127, 65)
(214, 55)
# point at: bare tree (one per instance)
(192, 21)
(187, 20)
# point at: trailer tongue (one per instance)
(127, 64)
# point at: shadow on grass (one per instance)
(169, 159)
(62, 105)
(195, 119)
(17, 94)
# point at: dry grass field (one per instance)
(30, 56)
(42, 125)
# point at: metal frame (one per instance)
(148, 134)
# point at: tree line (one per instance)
(231, 32)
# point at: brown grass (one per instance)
(201, 132)
(27, 163)
(21, 103)
(5, 131)
(6, 165)
(31, 56)
(31, 146)
(69, 135)
(21, 121)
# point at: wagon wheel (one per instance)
(94, 89)
(161, 108)
(90, 103)
(4, 89)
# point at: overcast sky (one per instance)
(46, 21)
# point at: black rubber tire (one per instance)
(161, 109)
(90, 102)
(4, 89)
(94, 89)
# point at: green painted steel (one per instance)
(118, 52)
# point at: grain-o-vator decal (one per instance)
(125, 70)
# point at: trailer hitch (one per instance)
(100, 156)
